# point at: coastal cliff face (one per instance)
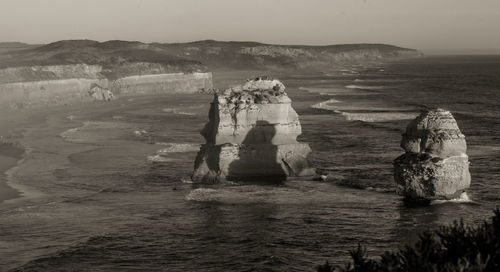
(435, 164)
(26, 87)
(62, 72)
(66, 72)
(252, 135)
(161, 83)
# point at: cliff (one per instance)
(435, 164)
(66, 72)
(29, 73)
(27, 87)
(252, 55)
(252, 135)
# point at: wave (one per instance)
(141, 132)
(174, 148)
(463, 198)
(92, 131)
(332, 91)
(179, 112)
(162, 154)
(204, 194)
(325, 104)
(361, 87)
(69, 133)
(378, 116)
(159, 158)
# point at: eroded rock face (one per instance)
(252, 135)
(435, 164)
(100, 93)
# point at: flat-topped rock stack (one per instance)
(252, 135)
(435, 164)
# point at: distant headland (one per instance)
(66, 71)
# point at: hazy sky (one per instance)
(428, 25)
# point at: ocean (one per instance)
(106, 185)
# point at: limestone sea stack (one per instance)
(252, 135)
(435, 164)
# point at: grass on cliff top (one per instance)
(450, 248)
(180, 56)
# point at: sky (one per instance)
(432, 26)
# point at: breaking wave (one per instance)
(463, 198)
(371, 117)
(325, 105)
(159, 158)
(360, 87)
(204, 194)
(173, 148)
(179, 112)
(162, 155)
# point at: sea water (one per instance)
(109, 190)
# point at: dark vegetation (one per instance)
(452, 248)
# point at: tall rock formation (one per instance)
(435, 164)
(252, 135)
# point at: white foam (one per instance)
(332, 91)
(186, 180)
(162, 155)
(68, 134)
(160, 158)
(185, 113)
(141, 132)
(175, 147)
(378, 116)
(204, 194)
(179, 112)
(463, 198)
(325, 105)
(361, 87)
(96, 131)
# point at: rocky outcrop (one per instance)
(100, 93)
(435, 164)
(252, 135)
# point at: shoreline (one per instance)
(10, 155)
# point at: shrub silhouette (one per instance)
(450, 248)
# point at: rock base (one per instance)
(421, 176)
(251, 162)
